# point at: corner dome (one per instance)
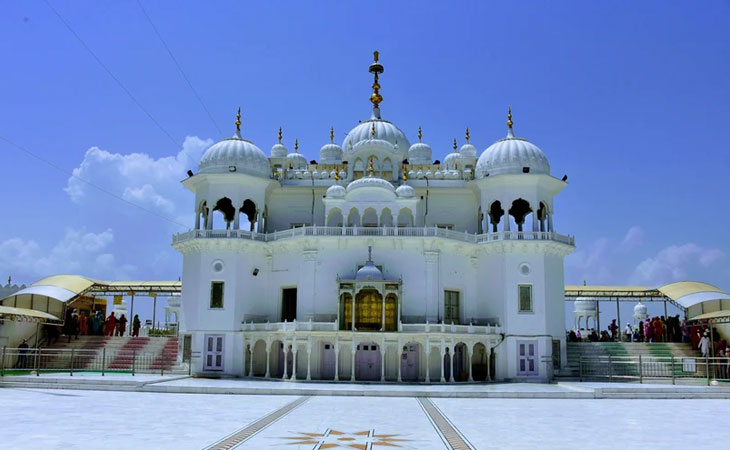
(335, 191)
(468, 151)
(279, 151)
(383, 130)
(405, 191)
(420, 153)
(369, 272)
(236, 152)
(330, 153)
(510, 156)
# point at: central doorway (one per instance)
(367, 362)
(288, 304)
(409, 362)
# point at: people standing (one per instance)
(83, 330)
(111, 323)
(629, 332)
(705, 344)
(122, 325)
(22, 352)
(136, 324)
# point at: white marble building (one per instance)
(376, 263)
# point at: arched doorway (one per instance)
(405, 218)
(327, 362)
(446, 365)
(409, 361)
(353, 219)
(391, 312)
(479, 363)
(368, 310)
(460, 368)
(225, 207)
(346, 311)
(259, 359)
(370, 218)
(367, 362)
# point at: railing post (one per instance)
(610, 370)
(641, 372)
(71, 365)
(672, 362)
(134, 359)
(162, 363)
(37, 367)
(707, 368)
(103, 360)
(2, 362)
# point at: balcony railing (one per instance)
(375, 231)
(404, 327)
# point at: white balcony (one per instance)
(404, 327)
(392, 232)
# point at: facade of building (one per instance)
(376, 263)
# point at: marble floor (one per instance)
(66, 419)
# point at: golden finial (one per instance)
(280, 135)
(509, 117)
(420, 133)
(372, 130)
(371, 167)
(405, 175)
(238, 120)
(337, 175)
(467, 135)
(332, 134)
(296, 145)
(454, 144)
(376, 69)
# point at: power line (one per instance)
(101, 189)
(169, 52)
(119, 83)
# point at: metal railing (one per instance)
(39, 360)
(629, 368)
(404, 327)
(375, 231)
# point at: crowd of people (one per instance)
(656, 329)
(81, 324)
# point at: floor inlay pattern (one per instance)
(248, 431)
(453, 438)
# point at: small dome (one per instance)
(419, 153)
(640, 309)
(236, 152)
(335, 191)
(585, 304)
(369, 272)
(451, 160)
(405, 191)
(370, 182)
(279, 151)
(383, 130)
(468, 151)
(511, 155)
(330, 153)
(297, 160)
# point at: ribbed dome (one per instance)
(330, 153)
(369, 272)
(237, 152)
(404, 191)
(511, 155)
(335, 191)
(468, 151)
(297, 160)
(420, 153)
(372, 182)
(640, 309)
(451, 160)
(279, 151)
(585, 304)
(383, 130)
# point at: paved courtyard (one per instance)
(79, 419)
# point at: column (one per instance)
(428, 364)
(550, 223)
(468, 361)
(382, 363)
(382, 313)
(309, 359)
(337, 360)
(443, 355)
(505, 217)
(197, 220)
(352, 361)
(352, 295)
(286, 362)
(268, 360)
(489, 352)
(399, 352)
(294, 364)
(237, 219)
(250, 369)
(535, 222)
(433, 311)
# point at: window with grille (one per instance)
(216, 294)
(451, 307)
(525, 298)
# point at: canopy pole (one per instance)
(37, 331)
(618, 319)
(598, 317)
(154, 312)
(131, 316)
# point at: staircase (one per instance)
(629, 349)
(149, 354)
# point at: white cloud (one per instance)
(675, 263)
(634, 238)
(78, 252)
(593, 263)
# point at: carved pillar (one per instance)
(286, 362)
(309, 358)
(442, 364)
(250, 368)
(428, 361)
(294, 364)
(268, 360)
(352, 361)
(337, 360)
(468, 361)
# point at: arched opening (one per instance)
(405, 218)
(327, 361)
(391, 312)
(460, 367)
(495, 215)
(202, 216)
(259, 359)
(367, 362)
(386, 171)
(479, 363)
(281, 351)
(368, 310)
(446, 365)
(248, 209)
(480, 221)
(519, 211)
(370, 218)
(346, 311)
(409, 361)
(334, 218)
(358, 169)
(353, 219)
(542, 212)
(225, 207)
(386, 218)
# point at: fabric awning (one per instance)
(27, 315)
(717, 315)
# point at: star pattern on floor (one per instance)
(360, 440)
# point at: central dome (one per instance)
(372, 182)
(383, 130)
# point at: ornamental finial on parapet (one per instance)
(376, 69)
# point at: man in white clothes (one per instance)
(705, 344)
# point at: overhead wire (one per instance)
(179, 67)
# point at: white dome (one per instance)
(297, 160)
(511, 155)
(335, 191)
(468, 151)
(279, 151)
(237, 152)
(585, 304)
(640, 309)
(451, 160)
(404, 191)
(370, 182)
(369, 272)
(330, 153)
(383, 130)
(420, 153)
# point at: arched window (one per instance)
(353, 219)
(495, 214)
(225, 207)
(334, 218)
(370, 218)
(519, 210)
(248, 209)
(391, 312)
(405, 218)
(386, 218)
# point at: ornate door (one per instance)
(409, 362)
(327, 368)
(367, 362)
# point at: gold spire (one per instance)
(376, 69)
(420, 133)
(337, 175)
(280, 135)
(509, 117)
(332, 134)
(405, 175)
(454, 143)
(296, 145)
(371, 168)
(372, 129)
(467, 135)
(238, 120)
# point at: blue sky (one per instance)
(630, 99)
